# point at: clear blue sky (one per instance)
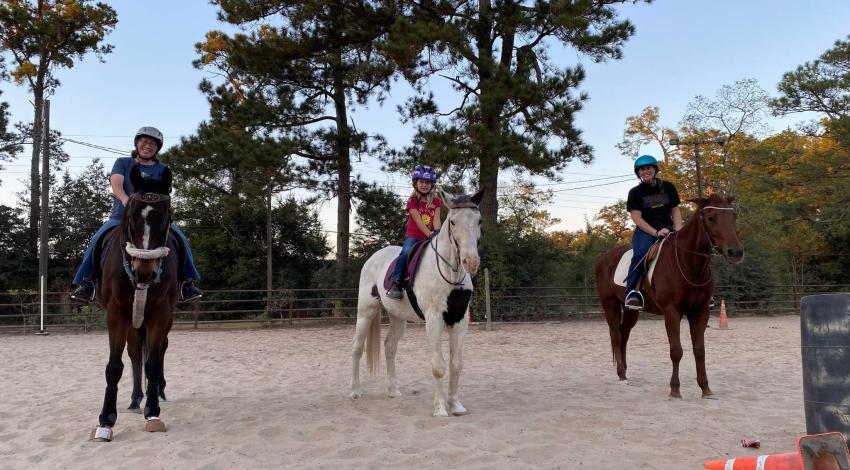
(682, 48)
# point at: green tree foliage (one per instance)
(39, 38)
(17, 271)
(229, 245)
(10, 143)
(517, 104)
(821, 86)
(78, 207)
(307, 63)
(380, 218)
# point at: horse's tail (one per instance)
(373, 345)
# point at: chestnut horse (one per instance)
(681, 285)
(139, 290)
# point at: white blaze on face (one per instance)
(146, 238)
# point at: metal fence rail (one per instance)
(20, 310)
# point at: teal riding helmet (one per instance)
(646, 160)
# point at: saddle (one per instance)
(412, 265)
(100, 247)
(622, 272)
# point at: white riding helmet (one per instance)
(153, 133)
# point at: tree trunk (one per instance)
(35, 182)
(343, 145)
(488, 159)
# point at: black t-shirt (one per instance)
(654, 202)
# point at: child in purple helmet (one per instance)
(423, 219)
(654, 208)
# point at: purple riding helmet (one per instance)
(426, 173)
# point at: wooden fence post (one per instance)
(489, 326)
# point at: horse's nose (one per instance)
(470, 264)
(735, 254)
(145, 277)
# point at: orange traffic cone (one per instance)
(826, 451)
(724, 320)
(789, 461)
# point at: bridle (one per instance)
(714, 251)
(157, 253)
(457, 268)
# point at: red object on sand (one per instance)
(755, 443)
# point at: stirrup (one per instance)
(635, 294)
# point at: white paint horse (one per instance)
(442, 288)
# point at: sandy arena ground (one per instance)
(539, 396)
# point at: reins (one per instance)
(457, 268)
(712, 251)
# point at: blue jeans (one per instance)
(401, 264)
(641, 242)
(87, 268)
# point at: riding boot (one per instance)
(190, 291)
(395, 291)
(84, 292)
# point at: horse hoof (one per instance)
(394, 393)
(162, 397)
(440, 412)
(101, 434)
(134, 409)
(458, 409)
(154, 425)
(355, 395)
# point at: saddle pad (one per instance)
(412, 264)
(622, 271)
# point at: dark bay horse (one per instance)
(682, 284)
(139, 289)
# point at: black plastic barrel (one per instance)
(825, 343)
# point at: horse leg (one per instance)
(434, 331)
(613, 311)
(671, 323)
(162, 376)
(368, 313)
(630, 319)
(456, 336)
(153, 371)
(698, 326)
(134, 350)
(118, 327)
(396, 331)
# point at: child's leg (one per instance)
(401, 264)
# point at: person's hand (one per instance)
(663, 232)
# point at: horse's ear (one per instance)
(477, 197)
(446, 197)
(701, 202)
(136, 178)
(165, 181)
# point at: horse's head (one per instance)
(147, 218)
(719, 218)
(464, 227)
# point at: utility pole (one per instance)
(44, 232)
(45, 194)
(722, 140)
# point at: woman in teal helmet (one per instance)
(654, 207)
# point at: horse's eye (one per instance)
(711, 219)
(452, 222)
